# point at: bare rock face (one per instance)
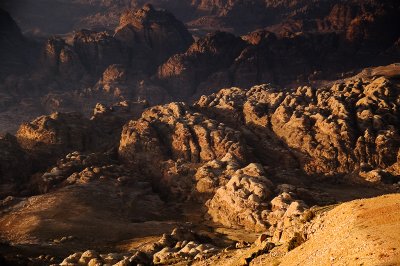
(114, 73)
(286, 216)
(213, 175)
(184, 133)
(242, 200)
(249, 111)
(348, 127)
(61, 133)
(98, 50)
(60, 58)
(170, 136)
(183, 245)
(152, 35)
(335, 146)
(182, 73)
(55, 134)
(108, 121)
(121, 83)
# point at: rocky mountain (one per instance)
(62, 16)
(234, 133)
(150, 55)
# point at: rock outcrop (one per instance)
(346, 128)
(168, 141)
(182, 73)
(238, 161)
(55, 134)
(152, 36)
(60, 133)
(98, 50)
(61, 59)
(242, 200)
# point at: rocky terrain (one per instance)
(136, 137)
(266, 161)
(149, 54)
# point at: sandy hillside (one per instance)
(361, 232)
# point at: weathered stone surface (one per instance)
(58, 58)
(182, 73)
(152, 35)
(339, 130)
(241, 201)
(55, 134)
(98, 50)
(176, 131)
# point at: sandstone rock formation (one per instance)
(168, 141)
(98, 50)
(60, 133)
(320, 123)
(243, 199)
(152, 36)
(55, 134)
(182, 73)
(61, 59)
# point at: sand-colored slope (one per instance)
(361, 232)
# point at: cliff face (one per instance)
(152, 36)
(182, 73)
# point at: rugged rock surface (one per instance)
(167, 142)
(182, 73)
(60, 133)
(154, 53)
(152, 36)
(55, 134)
(61, 59)
(344, 129)
(242, 200)
(181, 245)
(237, 161)
(98, 50)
